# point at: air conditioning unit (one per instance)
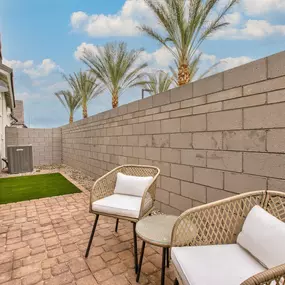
(20, 158)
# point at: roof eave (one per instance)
(10, 77)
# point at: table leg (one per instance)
(141, 261)
(164, 253)
(167, 257)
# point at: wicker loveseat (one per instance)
(204, 242)
(103, 200)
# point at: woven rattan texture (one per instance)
(105, 185)
(275, 204)
(215, 223)
(220, 223)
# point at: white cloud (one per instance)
(159, 59)
(101, 25)
(26, 95)
(38, 82)
(208, 60)
(44, 69)
(209, 57)
(163, 57)
(78, 19)
(57, 86)
(123, 23)
(231, 62)
(17, 64)
(233, 18)
(253, 29)
(258, 7)
(78, 54)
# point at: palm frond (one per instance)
(158, 82)
(209, 70)
(185, 25)
(70, 101)
(115, 66)
(85, 86)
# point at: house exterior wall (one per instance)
(5, 120)
(213, 138)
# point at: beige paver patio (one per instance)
(43, 242)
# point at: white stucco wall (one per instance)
(5, 120)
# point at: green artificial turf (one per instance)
(24, 188)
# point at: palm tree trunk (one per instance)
(183, 74)
(115, 99)
(84, 111)
(70, 118)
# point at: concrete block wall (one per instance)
(19, 111)
(46, 143)
(214, 138)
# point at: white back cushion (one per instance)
(132, 185)
(263, 235)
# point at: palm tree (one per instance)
(186, 24)
(193, 69)
(158, 82)
(84, 85)
(69, 101)
(116, 67)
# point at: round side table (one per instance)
(156, 230)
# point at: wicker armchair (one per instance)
(105, 186)
(219, 223)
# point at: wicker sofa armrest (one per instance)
(276, 274)
(104, 186)
(215, 223)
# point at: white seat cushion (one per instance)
(214, 264)
(132, 185)
(263, 235)
(122, 205)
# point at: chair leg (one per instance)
(176, 282)
(141, 261)
(91, 236)
(135, 248)
(117, 224)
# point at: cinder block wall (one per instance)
(19, 111)
(46, 143)
(212, 139)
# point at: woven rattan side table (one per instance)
(156, 230)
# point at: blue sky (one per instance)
(42, 39)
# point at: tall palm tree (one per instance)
(84, 85)
(158, 82)
(116, 67)
(69, 101)
(186, 24)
